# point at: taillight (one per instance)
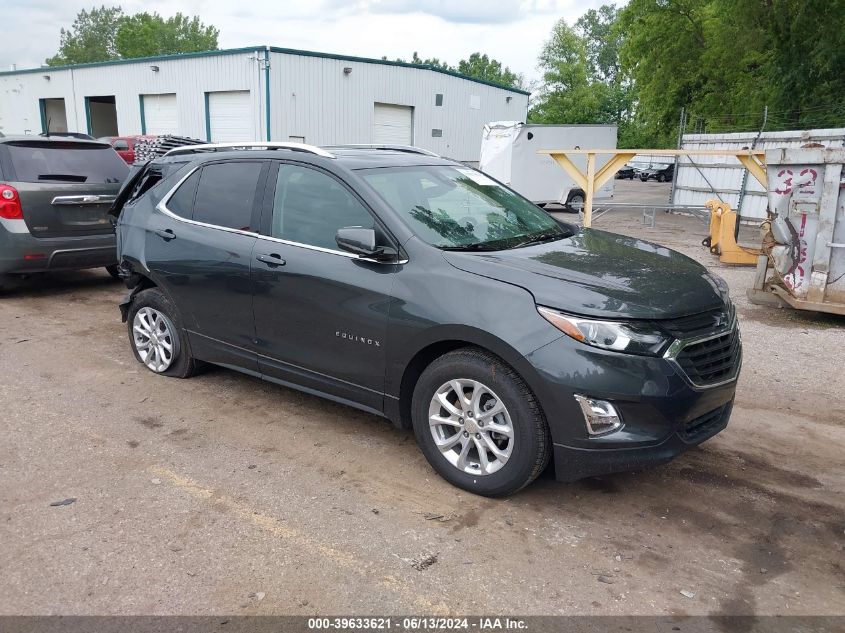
(10, 203)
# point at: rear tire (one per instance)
(157, 337)
(487, 384)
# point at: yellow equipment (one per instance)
(722, 238)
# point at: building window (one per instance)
(438, 99)
(436, 133)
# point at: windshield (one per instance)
(458, 208)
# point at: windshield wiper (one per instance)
(478, 246)
(541, 238)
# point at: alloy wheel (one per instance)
(153, 335)
(471, 426)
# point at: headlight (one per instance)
(630, 337)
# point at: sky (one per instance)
(512, 31)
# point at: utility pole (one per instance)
(682, 123)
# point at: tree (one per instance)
(144, 34)
(478, 66)
(90, 38)
(106, 33)
(486, 68)
(725, 60)
(583, 81)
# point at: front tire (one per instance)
(478, 424)
(157, 337)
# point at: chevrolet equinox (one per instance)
(416, 288)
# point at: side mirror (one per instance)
(361, 241)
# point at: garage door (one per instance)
(393, 124)
(160, 114)
(230, 116)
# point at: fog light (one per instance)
(600, 416)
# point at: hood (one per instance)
(596, 273)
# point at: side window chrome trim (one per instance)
(162, 207)
(330, 251)
(349, 190)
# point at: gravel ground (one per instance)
(223, 494)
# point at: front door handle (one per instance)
(271, 260)
(166, 234)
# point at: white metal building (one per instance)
(261, 93)
(701, 178)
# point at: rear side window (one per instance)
(92, 163)
(182, 201)
(226, 194)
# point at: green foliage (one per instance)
(90, 39)
(478, 66)
(583, 81)
(723, 61)
(105, 33)
(489, 69)
(144, 34)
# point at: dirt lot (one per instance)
(223, 494)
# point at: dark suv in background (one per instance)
(55, 194)
(416, 288)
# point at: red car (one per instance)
(125, 145)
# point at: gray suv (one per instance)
(416, 288)
(55, 194)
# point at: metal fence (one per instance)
(700, 178)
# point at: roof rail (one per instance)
(410, 149)
(213, 147)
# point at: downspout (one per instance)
(267, 89)
(143, 115)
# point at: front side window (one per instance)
(226, 194)
(458, 208)
(309, 207)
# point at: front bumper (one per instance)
(663, 414)
(22, 253)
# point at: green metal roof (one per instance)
(250, 49)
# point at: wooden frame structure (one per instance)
(752, 160)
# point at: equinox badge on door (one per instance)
(358, 339)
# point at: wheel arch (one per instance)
(137, 281)
(434, 348)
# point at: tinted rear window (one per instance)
(226, 194)
(182, 201)
(66, 162)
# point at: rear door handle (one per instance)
(271, 260)
(166, 234)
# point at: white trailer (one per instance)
(509, 154)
